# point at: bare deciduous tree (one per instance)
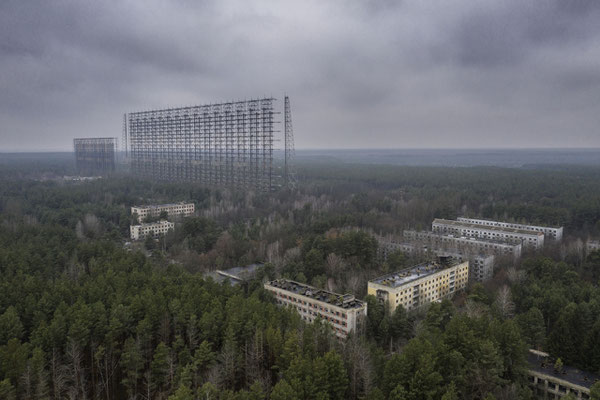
(76, 371)
(504, 302)
(335, 264)
(474, 309)
(59, 373)
(515, 276)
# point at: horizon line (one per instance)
(9, 151)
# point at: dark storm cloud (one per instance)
(506, 33)
(360, 73)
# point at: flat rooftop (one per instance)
(162, 205)
(472, 239)
(458, 252)
(513, 223)
(486, 227)
(335, 299)
(234, 275)
(411, 274)
(423, 246)
(545, 365)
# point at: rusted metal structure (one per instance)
(227, 144)
(95, 156)
(289, 173)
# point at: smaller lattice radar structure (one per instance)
(95, 156)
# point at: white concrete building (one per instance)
(481, 265)
(592, 245)
(343, 312)
(548, 383)
(465, 244)
(554, 233)
(420, 285)
(531, 239)
(387, 246)
(183, 209)
(154, 228)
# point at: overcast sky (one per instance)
(376, 74)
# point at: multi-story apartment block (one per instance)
(481, 265)
(155, 229)
(548, 383)
(387, 246)
(554, 233)
(419, 285)
(344, 312)
(183, 209)
(528, 238)
(592, 245)
(465, 244)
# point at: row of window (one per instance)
(314, 314)
(313, 305)
(486, 235)
(508, 225)
(431, 289)
(146, 211)
(495, 245)
(338, 331)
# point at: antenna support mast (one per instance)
(289, 172)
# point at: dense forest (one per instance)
(84, 314)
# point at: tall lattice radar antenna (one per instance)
(124, 138)
(289, 171)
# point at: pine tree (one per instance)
(595, 390)
(159, 367)
(330, 375)
(208, 391)
(38, 365)
(256, 391)
(183, 392)
(451, 392)
(399, 393)
(7, 390)
(283, 391)
(10, 325)
(131, 363)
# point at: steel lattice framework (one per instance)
(95, 156)
(228, 144)
(289, 172)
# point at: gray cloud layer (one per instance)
(360, 73)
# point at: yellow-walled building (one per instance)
(421, 284)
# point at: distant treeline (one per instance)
(565, 196)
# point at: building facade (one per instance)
(592, 245)
(465, 244)
(387, 246)
(554, 233)
(527, 238)
(548, 383)
(344, 312)
(183, 209)
(481, 265)
(419, 285)
(156, 229)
